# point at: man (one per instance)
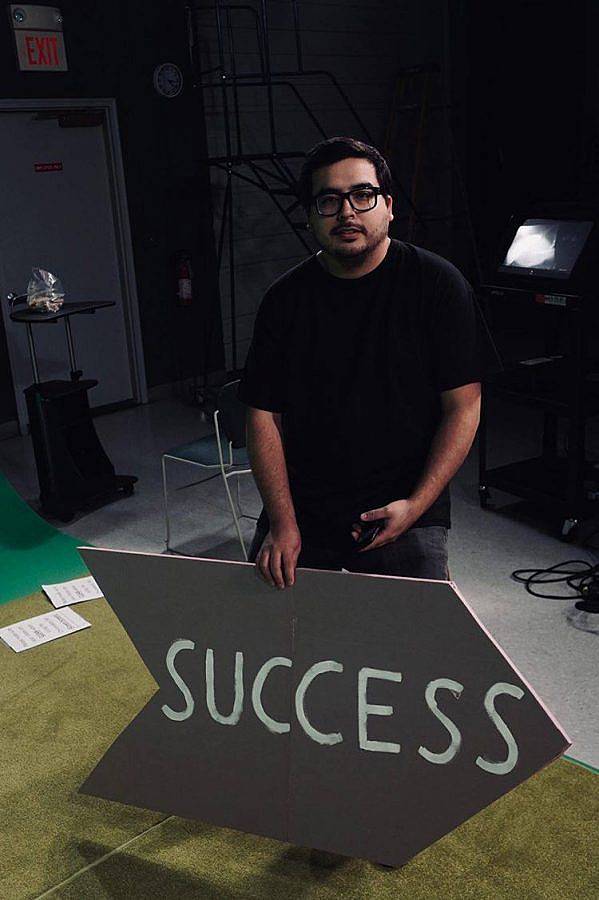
(363, 386)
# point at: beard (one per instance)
(354, 253)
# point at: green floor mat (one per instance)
(65, 702)
(32, 552)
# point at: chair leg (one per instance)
(165, 495)
(235, 518)
(226, 481)
(239, 509)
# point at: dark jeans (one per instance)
(417, 553)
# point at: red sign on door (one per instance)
(48, 167)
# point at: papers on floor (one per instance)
(41, 629)
(75, 591)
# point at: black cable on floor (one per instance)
(584, 581)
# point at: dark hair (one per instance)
(333, 150)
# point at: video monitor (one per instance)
(546, 248)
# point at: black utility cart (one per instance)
(547, 272)
(73, 469)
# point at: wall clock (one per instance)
(168, 79)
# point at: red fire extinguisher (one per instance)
(184, 276)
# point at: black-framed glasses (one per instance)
(360, 200)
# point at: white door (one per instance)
(61, 219)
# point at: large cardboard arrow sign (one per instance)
(361, 714)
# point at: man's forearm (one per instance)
(450, 447)
(267, 459)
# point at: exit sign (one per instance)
(48, 167)
(38, 38)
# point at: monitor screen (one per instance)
(546, 247)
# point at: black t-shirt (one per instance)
(356, 366)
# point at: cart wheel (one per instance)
(569, 529)
(125, 484)
(484, 496)
(62, 513)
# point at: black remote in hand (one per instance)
(369, 531)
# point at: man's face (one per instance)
(349, 234)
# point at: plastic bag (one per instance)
(45, 291)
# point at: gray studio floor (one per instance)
(556, 651)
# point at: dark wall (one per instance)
(519, 84)
(112, 49)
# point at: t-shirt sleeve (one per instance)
(262, 383)
(455, 329)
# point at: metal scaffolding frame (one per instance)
(258, 169)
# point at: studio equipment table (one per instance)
(546, 274)
(72, 466)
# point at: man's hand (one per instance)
(277, 557)
(399, 516)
